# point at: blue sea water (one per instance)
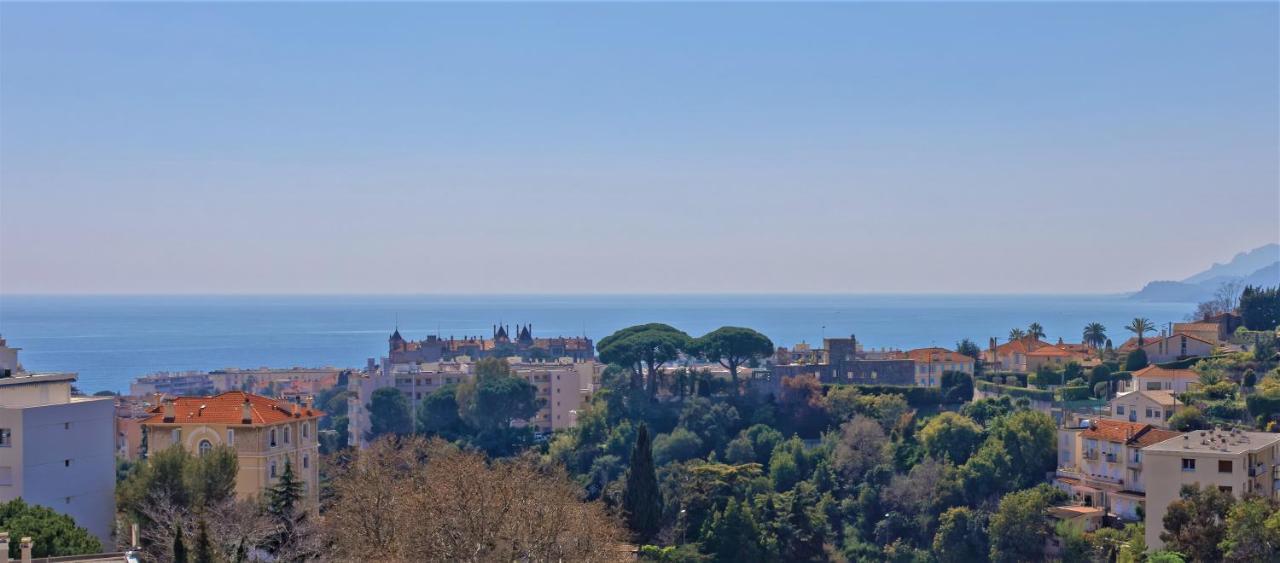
(110, 340)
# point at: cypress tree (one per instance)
(642, 501)
(204, 549)
(179, 549)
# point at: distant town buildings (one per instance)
(265, 434)
(268, 381)
(523, 345)
(56, 449)
(843, 361)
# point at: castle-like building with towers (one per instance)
(435, 349)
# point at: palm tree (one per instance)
(1017, 334)
(1035, 331)
(1140, 327)
(1095, 334)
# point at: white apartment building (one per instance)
(1235, 461)
(57, 450)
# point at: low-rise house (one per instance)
(265, 434)
(1100, 464)
(1146, 407)
(1012, 355)
(1169, 348)
(1234, 461)
(1216, 328)
(1156, 378)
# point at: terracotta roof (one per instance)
(1113, 430)
(1163, 397)
(228, 408)
(1157, 371)
(936, 354)
(1053, 351)
(1152, 435)
(1021, 346)
(1148, 342)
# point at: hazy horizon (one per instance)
(627, 149)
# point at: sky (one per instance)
(633, 148)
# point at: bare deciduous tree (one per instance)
(413, 499)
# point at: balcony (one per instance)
(1091, 455)
(1110, 457)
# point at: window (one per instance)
(177, 435)
(231, 437)
(286, 434)
(1225, 488)
(306, 430)
(6, 438)
(1224, 466)
(66, 426)
(306, 461)
(204, 447)
(66, 463)
(273, 439)
(273, 469)
(1148, 412)
(1119, 409)
(1153, 386)
(1188, 464)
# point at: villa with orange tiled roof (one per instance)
(1012, 355)
(1100, 464)
(264, 432)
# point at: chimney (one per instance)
(308, 400)
(170, 411)
(246, 413)
(25, 546)
(4, 546)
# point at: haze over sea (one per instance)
(110, 340)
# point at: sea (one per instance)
(111, 340)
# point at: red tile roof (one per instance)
(1112, 430)
(1157, 371)
(1136, 434)
(228, 408)
(1153, 435)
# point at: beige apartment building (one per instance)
(563, 387)
(931, 363)
(265, 433)
(1100, 464)
(1235, 461)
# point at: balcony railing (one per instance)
(1091, 455)
(1111, 457)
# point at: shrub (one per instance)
(915, 396)
(1075, 393)
(1136, 360)
(1227, 410)
(1188, 419)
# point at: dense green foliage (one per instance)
(1260, 308)
(53, 534)
(389, 414)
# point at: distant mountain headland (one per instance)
(1259, 267)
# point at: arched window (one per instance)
(205, 446)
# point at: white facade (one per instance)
(57, 450)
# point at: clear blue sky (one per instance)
(633, 148)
